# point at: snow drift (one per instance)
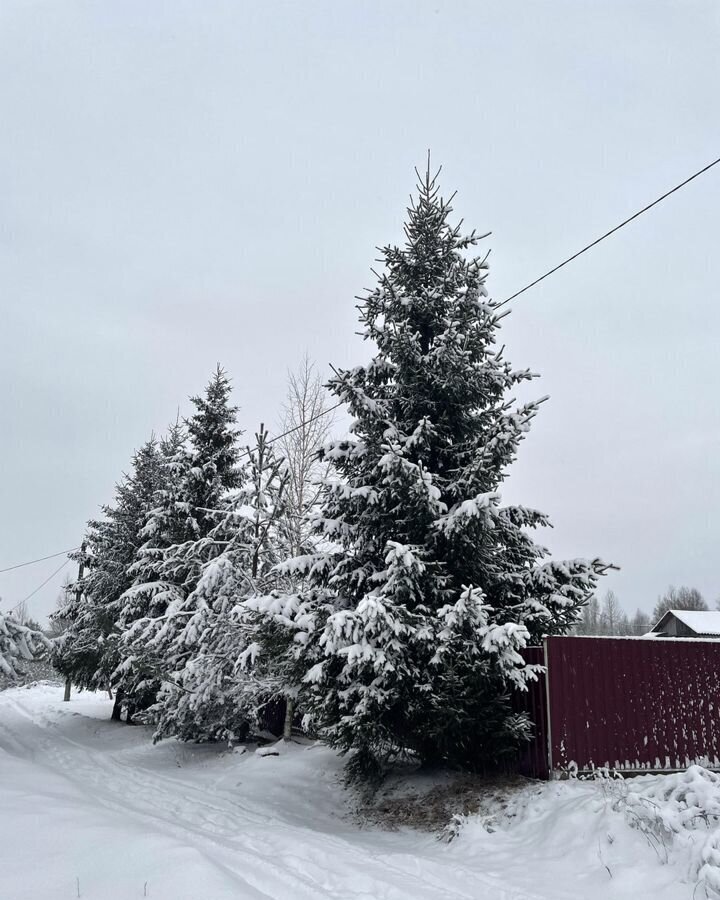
(87, 802)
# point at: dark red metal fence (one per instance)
(634, 704)
(533, 760)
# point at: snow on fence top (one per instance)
(634, 705)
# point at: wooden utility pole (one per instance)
(78, 594)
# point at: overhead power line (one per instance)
(244, 453)
(612, 231)
(278, 437)
(40, 586)
(527, 287)
(32, 562)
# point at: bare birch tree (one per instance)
(305, 425)
(611, 614)
(589, 622)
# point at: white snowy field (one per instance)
(92, 805)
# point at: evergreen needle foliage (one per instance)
(209, 692)
(178, 543)
(379, 585)
(86, 650)
(405, 636)
(18, 642)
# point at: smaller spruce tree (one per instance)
(216, 687)
(199, 472)
(86, 649)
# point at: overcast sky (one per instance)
(183, 183)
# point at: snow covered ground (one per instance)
(92, 805)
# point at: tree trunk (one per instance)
(117, 706)
(289, 710)
(68, 686)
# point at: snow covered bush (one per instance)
(17, 643)
(406, 635)
(679, 814)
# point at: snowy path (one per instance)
(84, 798)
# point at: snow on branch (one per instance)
(483, 506)
(18, 642)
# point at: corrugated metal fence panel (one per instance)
(633, 703)
(533, 760)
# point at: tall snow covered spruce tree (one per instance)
(407, 635)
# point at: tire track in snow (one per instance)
(307, 863)
(122, 799)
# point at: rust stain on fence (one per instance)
(632, 704)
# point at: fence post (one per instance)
(547, 711)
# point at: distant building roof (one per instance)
(700, 621)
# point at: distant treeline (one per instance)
(607, 616)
